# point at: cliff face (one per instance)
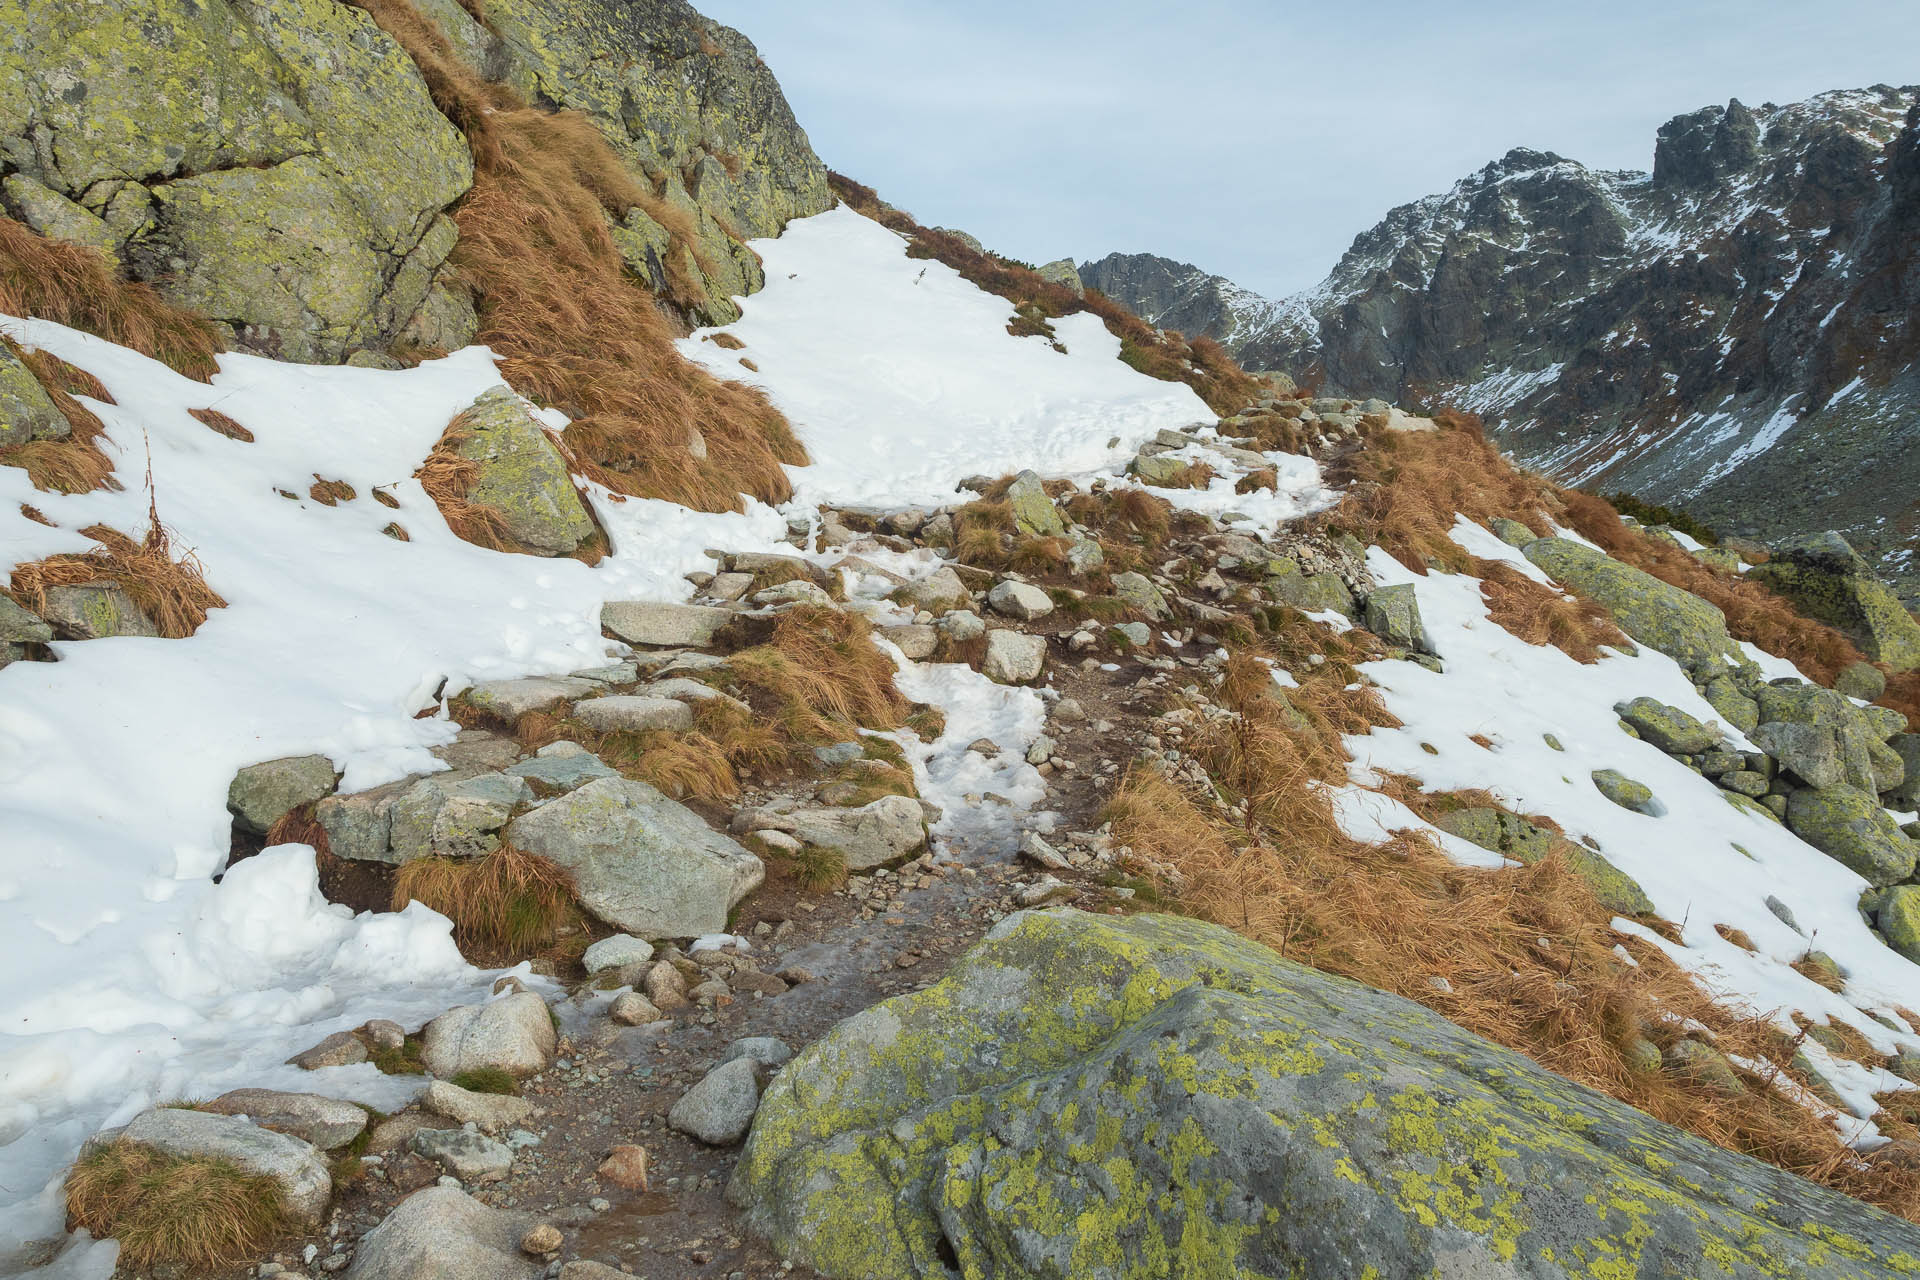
(282, 168)
(1735, 330)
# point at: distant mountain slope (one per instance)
(1736, 330)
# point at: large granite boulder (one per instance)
(261, 794)
(640, 861)
(513, 1034)
(1826, 579)
(442, 1233)
(1849, 826)
(1677, 623)
(279, 167)
(1100, 1097)
(522, 477)
(294, 1164)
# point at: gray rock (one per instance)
(797, 591)
(1512, 836)
(663, 625)
(1013, 657)
(359, 826)
(916, 641)
(1735, 707)
(873, 835)
(633, 713)
(1907, 747)
(770, 1052)
(95, 611)
(1746, 782)
(468, 1156)
(1136, 634)
(1085, 556)
(442, 1233)
(1668, 728)
(938, 591)
(839, 754)
(961, 626)
(508, 700)
(449, 817)
(481, 751)
(325, 1122)
(261, 794)
(513, 1033)
(17, 626)
(1137, 591)
(1860, 680)
(341, 1049)
(295, 1165)
(1783, 913)
(1677, 623)
(1042, 1058)
(640, 861)
(719, 1110)
(1020, 600)
(616, 952)
(1512, 532)
(490, 1112)
(1308, 592)
(1033, 510)
(631, 1009)
(1393, 614)
(1627, 793)
(26, 411)
(1849, 826)
(552, 775)
(521, 477)
(682, 689)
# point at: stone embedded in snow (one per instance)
(640, 861)
(508, 700)
(1626, 793)
(1033, 511)
(95, 611)
(1156, 468)
(491, 1112)
(1137, 591)
(1013, 657)
(938, 591)
(616, 952)
(916, 641)
(442, 1233)
(27, 412)
(325, 1122)
(514, 1033)
(719, 1110)
(261, 794)
(1668, 728)
(293, 1163)
(663, 625)
(1393, 614)
(1019, 600)
(873, 835)
(1849, 826)
(17, 626)
(633, 713)
(521, 476)
(341, 1049)
(445, 817)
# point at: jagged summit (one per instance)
(1734, 329)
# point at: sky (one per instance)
(1257, 139)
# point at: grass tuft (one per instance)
(172, 593)
(504, 901)
(486, 1080)
(183, 1211)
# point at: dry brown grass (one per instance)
(172, 593)
(331, 493)
(35, 514)
(82, 288)
(299, 826)
(504, 902)
(77, 464)
(823, 676)
(192, 1212)
(1128, 514)
(574, 327)
(222, 423)
(1540, 615)
(1526, 953)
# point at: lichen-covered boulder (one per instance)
(1393, 614)
(276, 166)
(640, 861)
(1817, 734)
(261, 794)
(27, 412)
(1899, 919)
(1101, 1097)
(1860, 680)
(1668, 728)
(522, 477)
(1033, 510)
(1849, 826)
(1627, 792)
(1677, 623)
(1907, 747)
(1514, 837)
(1308, 592)
(1827, 579)
(95, 611)
(1138, 591)
(18, 626)
(1724, 695)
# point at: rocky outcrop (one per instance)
(278, 167)
(1827, 579)
(1735, 331)
(1679, 624)
(1096, 1097)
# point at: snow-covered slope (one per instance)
(132, 975)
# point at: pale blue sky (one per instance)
(1257, 139)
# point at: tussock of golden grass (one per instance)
(726, 341)
(1264, 478)
(448, 478)
(825, 677)
(79, 286)
(77, 464)
(299, 826)
(505, 901)
(165, 1209)
(574, 328)
(1396, 915)
(686, 766)
(331, 493)
(927, 723)
(812, 867)
(172, 593)
(223, 424)
(1540, 615)
(1124, 514)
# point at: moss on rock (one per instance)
(1144, 1097)
(1677, 623)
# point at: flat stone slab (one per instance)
(508, 700)
(663, 625)
(633, 713)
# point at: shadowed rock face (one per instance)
(1735, 331)
(1097, 1097)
